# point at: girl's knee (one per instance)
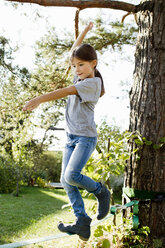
(68, 178)
(62, 181)
(72, 178)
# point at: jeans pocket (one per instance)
(93, 142)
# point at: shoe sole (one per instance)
(84, 239)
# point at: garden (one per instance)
(30, 207)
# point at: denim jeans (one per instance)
(77, 151)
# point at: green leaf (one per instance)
(162, 140)
(90, 168)
(148, 143)
(98, 232)
(106, 243)
(135, 150)
(109, 228)
(114, 239)
(157, 146)
(100, 171)
(139, 142)
(100, 155)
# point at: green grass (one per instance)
(35, 213)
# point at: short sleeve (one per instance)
(89, 89)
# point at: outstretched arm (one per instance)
(82, 36)
(54, 95)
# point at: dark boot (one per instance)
(81, 227)
(103, 198)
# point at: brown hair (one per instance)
(87, 53)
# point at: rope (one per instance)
(33, 241)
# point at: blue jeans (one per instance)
(77, 151)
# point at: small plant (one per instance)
(107, 236)
(40, 182)
(111, 161)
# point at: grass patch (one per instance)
(35, 213)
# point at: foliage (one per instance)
(49, 75)
(139, 143)
(110, 161)
(48, 167)
(40, 182)
(34, 151)
(137, 138)
(112, 34)
(7, 176)
(120, 236)
(107, 133)
(17, 127)
(102, 36)
(13, 122)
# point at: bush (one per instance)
(120, 236)
(49, 166)
(40, 182)
(8, 177)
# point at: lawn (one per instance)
(35, 213)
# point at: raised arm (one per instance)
(82, 36)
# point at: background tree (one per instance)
(13, 128)
(19, 150)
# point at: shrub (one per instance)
(8, 176)
(49, 166)
(40, 182)
(120, 236)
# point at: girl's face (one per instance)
(83, 69)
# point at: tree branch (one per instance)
(83, 4)
(77, 23)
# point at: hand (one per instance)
(32, 104)
(89, 26)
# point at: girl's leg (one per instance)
(75, 156)
(82, 225)
(72, 191)
(83, 148)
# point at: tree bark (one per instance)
(81, 4)
(146, 168)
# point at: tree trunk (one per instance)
(146, 168)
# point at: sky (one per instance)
(23, 27)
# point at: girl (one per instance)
(81, 134)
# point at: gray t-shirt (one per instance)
(80, 109)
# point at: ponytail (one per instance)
(98, 74)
